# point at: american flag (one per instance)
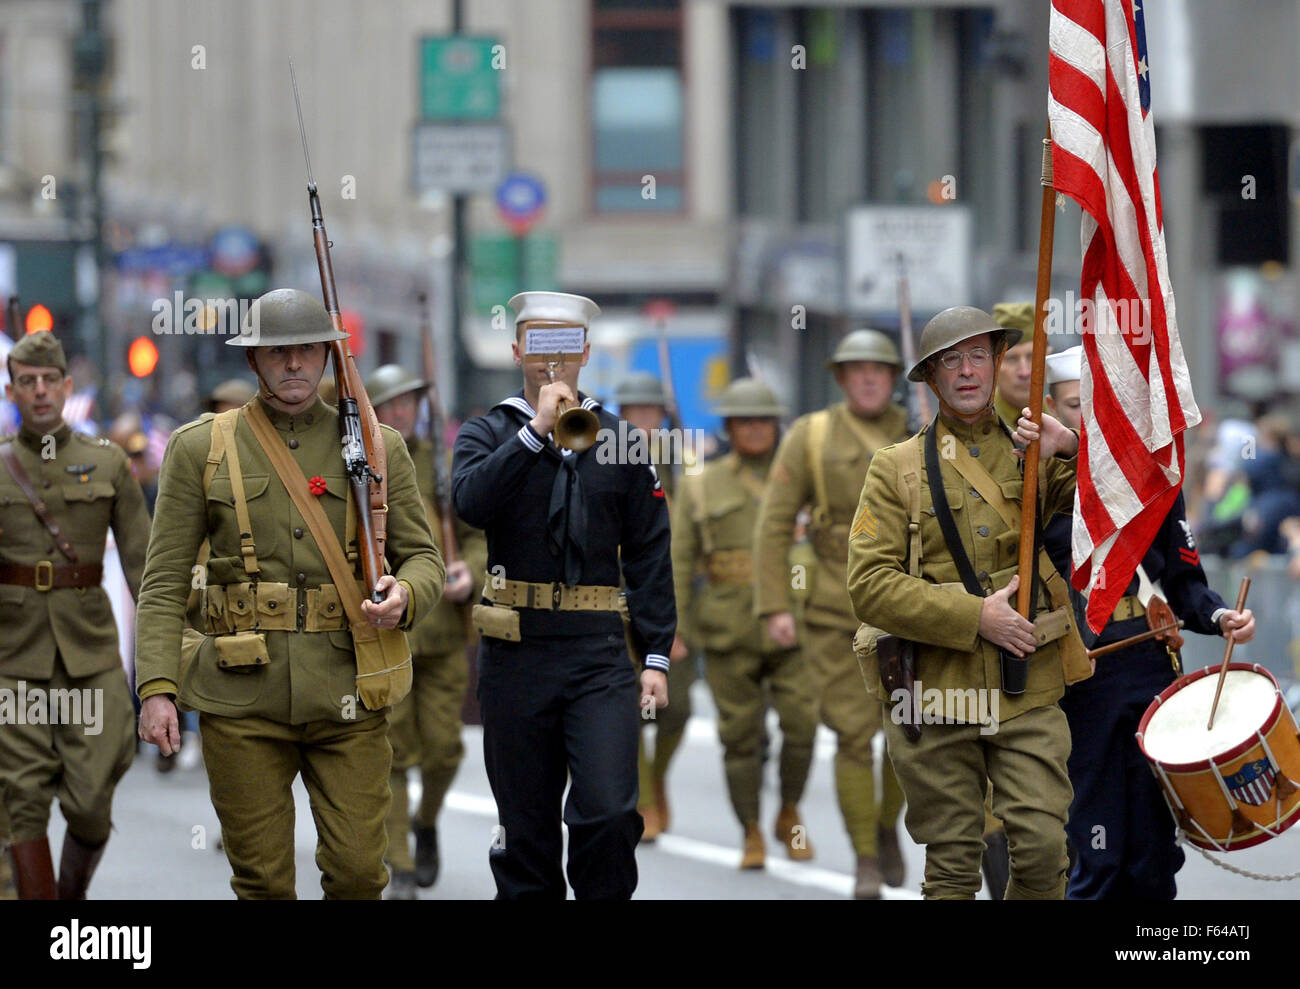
(1135, 390)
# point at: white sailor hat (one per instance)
(1064, 366)
(561, 307)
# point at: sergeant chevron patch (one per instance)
(865, 524)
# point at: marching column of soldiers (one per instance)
(590, 613)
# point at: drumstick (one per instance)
(1227, 653)
(1140, 637)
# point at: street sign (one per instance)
(495, 275)
(460, 78)
(458, 157)
(935, 245)
(520, 200)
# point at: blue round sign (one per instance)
(520, 196)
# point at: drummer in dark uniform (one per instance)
(1119, 824)
(558, 693)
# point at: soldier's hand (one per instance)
(1002, 625)
(547, 413)
(781, 630)
(654, 684)
(460, 582)
(1239, 624)
(679, 651)
(388, 612)
(1055, 437)
(159, 725)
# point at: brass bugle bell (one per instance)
(576, 428)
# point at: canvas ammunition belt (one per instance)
(267, 606)
(831, 542)
(730, 566)
(1129, 607)
(46, 576)
(551, 597)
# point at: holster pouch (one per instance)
(383, 665)
(897, 659)
(242, 652)
(496, 622)
(1015, 673)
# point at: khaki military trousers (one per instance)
(79, 759)
(854, 715)
(946, 776)
(743, 682)
(252, 763)
(669, 725)
(424, 729)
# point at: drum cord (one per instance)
(1182, 839)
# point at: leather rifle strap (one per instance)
(939, 498)
(10, 458)
(295, 483)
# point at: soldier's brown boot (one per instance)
(661, 802)
(791, 833)
(891, 856)
(77, 866)
(754, 855)
(866, 885)
(652, 828)
(33, 869)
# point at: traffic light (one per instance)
(142, 357)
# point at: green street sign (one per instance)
(460, 78)
(494, 265)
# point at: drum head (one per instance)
(1176, 731)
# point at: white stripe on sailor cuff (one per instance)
(656, 662)
(530, 439)
(1218, 613)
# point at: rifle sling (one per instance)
(939, 498)
(309, 508)
(10, 458)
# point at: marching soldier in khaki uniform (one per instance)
(424, 728)
(1012, 393)
(642, 402)
(907, 580)
(275, 674)
(60, 492)
(713, 530)
(822, 461)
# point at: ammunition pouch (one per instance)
(241, 652)
(496, 622)
(268, 606)
(730, 566)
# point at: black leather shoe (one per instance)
(426, 855)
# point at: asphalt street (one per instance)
(165, 846)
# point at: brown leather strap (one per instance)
(10, 458)
(47, 576)
(309, 508)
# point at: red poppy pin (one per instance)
(317, 485)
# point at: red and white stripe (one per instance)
(1135, 389)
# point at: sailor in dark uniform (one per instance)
(557, 689)
(1120, 826)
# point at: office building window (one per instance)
(638, 107)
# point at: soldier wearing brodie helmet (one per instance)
(822, 461)
(274, 675)
(933, 559)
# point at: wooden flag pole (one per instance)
(1046, 233)
(1227, 652)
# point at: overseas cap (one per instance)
(387, 382)
(640, 388)
(285, 316)
(40, 349)
(866, 345)
(951, 327)
(557, 306)
(748, 397)
(1015, 316)
(232, 391)
(1064, 366)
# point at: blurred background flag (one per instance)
(1136, 392)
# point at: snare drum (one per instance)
(1233, 786)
